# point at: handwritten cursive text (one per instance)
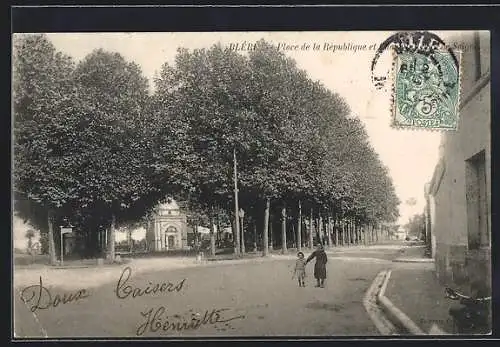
(124, 290)
(37, 297)
(156, 320)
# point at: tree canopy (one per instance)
(91, 141)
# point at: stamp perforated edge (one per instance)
(393, 106)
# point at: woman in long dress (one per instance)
(320, 265)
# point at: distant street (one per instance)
(260, 296)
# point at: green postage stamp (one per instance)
(426, 91)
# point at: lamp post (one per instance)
(242, 215)
(236, 209)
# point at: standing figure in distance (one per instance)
(320, 265)
(300, 269)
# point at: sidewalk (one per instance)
(413, 297)
(417, 293)
(413, 254)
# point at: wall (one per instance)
(454, 261)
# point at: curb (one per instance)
(395, 314)
(383, 325)
(413, 260)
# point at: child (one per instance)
(300, 269)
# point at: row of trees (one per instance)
(93, 147)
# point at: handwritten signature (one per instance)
(124, 290)
(40, 298)
(156, 320)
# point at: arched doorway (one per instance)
(171, 242)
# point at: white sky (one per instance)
(410, 155)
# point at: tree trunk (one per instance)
(52, 246)
(242, 240)
(112, 239)
(271, 233)
(311, 228)
(329, 238)
(299, 229)
(129, 236)
(212, 236)
(364, 235)
(348, 233)
(342, 235)
(320, 229)
(349, 228)
(356, 233)
(233, 229)
(217, 223)
(283, 229)
(255, 236)
(336, 231)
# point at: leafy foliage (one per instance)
(91, 142)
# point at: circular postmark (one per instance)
(426, 80)
(418, 42)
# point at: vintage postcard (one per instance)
(251, 184)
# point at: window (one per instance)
(476, 199)
(484, 51)
(477, 56)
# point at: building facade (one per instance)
(167, 228)
(459, 193)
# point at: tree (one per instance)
(104, 151)
(42, 89)
(81, 147)
(416, 226)
(115, 171)
(293, 140)
(30, 234)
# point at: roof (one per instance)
(170, 204)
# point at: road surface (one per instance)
(225, 299)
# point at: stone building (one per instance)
(459, 193)
(167, 228)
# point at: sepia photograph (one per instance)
(172, 185)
